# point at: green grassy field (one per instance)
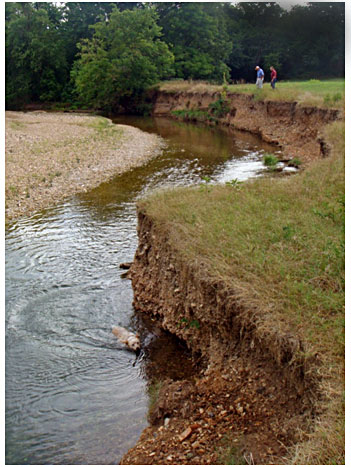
(329, 93)
(281, 241)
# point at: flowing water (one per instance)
(74, 395)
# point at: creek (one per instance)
(74, 395)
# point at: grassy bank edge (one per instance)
(282, 242)
(328, 93)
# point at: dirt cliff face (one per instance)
(253, 388)
(296, 129)
(255, 394)
(210, 317)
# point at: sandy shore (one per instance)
(50, 156)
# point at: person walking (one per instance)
(273, 77)
(260, 77)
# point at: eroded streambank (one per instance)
(259, 391)
(295, 128)
(253, 394)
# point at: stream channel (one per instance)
(74, 395)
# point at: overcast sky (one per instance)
(287, 4)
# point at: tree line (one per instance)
(105, 55)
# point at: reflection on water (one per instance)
(74, 395)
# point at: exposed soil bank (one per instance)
(258, 394)
(254, 394)
(50, 156)
(295, 128)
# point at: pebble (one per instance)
(48, 129)
(185, 434)
(239, 409)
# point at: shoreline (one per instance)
(171, 286)
(51, 156)
(206, 430)
(253, 298)
(295, 129)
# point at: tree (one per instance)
(259, 37)
(315, 38)
(197, 35)
(304, 42)
(36, 67)
(79, 17)
(112, 54)
(124, 57)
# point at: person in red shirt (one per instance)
(273, 77)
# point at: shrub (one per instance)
(220, 107)
(270, 160)
(295, 162)
(125, 57)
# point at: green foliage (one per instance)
(270, 160)
(220, 107)
(199, 38)
(122, 52)
(295, 162)
(206, 179)
(36, 67)
(193, 115)
(331, 210)
(79, 17)
(231, 454)
(216, 110)
(331, 99)
(303, 42)
(123, 59)
(234, 183)
(273, 59)
(288, 232)
(194, 323)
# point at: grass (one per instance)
(51, 146)
(17, 125)
(217, 109)
(193, 115)
(107, 129)
(270, 160)
(294, 162)
(282, 243)
(231, 453)
(104, 130)
(326, 93)
(100, 124)
(103, 127)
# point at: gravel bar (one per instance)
(51, 156)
